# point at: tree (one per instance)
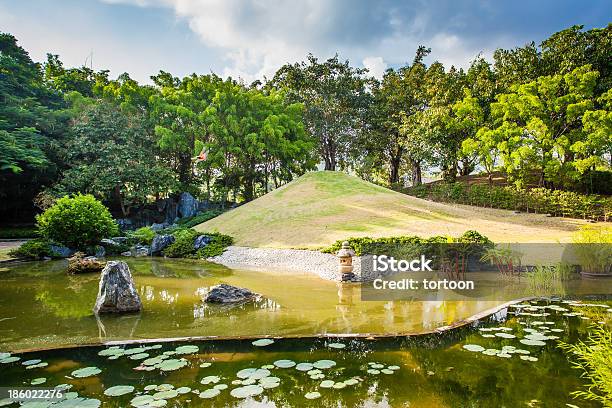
(111, 155)
(335, 100)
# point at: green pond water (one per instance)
(509, 359)
(42, 306)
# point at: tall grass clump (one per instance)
(593, 245)
(593, 358)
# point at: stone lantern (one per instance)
(345, 255)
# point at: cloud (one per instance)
(375, 65)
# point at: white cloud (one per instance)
(375, 65)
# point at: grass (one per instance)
(322, 207)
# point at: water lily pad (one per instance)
(373, 371)
(352, 381)
(4, 355)
(339, 385)
(377, 366)
(10, 359)
(268, 366)
(142, 400)
(246, 372)
(30, 362)
(210, 393)
(317, 376)
(326, 384)
(171, 364)
(164, 395)
(158, 403)
(338, 346)
(246, 391)
(304, 367)
(312, 395)
(187, 349)
(488, 335)
(86, 372)
(505, 335)
(473, 347)
(183, 390)
(164, 387)
(262, 342)
(118, 390)
(285, 364)
(529, 358)
(490, 352)
(394, 367)
(39, 365)
(220, 387)
(134, 350)
(386, 371)
(532, 342)
(211, 379)
(37, 381)
(152, 361)
(139, 356)
(205, 365)
(324, 364)
(504, 355)
(260, 373)
(249, 381)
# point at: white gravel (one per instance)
(284, 260)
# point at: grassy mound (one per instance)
(321, 207)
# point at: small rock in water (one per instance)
(79, 263)
(116, 293)
(225, 293)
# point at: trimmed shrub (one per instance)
(35, 249)
(184, 245)
(77, 222)
(557, 203)
(143, 235)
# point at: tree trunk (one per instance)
(394, 164)
(417, 179)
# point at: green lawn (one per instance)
(322, 207)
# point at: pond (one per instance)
(40, 305)
(509, 359)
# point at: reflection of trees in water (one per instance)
(70, 297)
(176, 268)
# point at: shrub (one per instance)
(593, 359)
(34, 249)
(77, 222)
(144, 235)
(593, 248)
(539, 200)
(184, 245)
(191, 222)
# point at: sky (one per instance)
(251, 39)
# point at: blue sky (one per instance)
(252, 38)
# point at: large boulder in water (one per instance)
(160, 242)
(187, 205)
(117, 293)
(225, 293)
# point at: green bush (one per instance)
(191, 222)
(143, 235)
(33, 249)
(77, 222)
(557, 203)
(17, 232)
(184, 245)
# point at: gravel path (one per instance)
(286, 260)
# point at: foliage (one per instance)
(539, 200)
(191, 222)
(506, 260)
(34, 249)
(593, 246)
(379, 246)
(183, 245)
(334, 97)
(592, 357)
(17, 232)
(111, 154)
(144, 235)
(77, 222)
